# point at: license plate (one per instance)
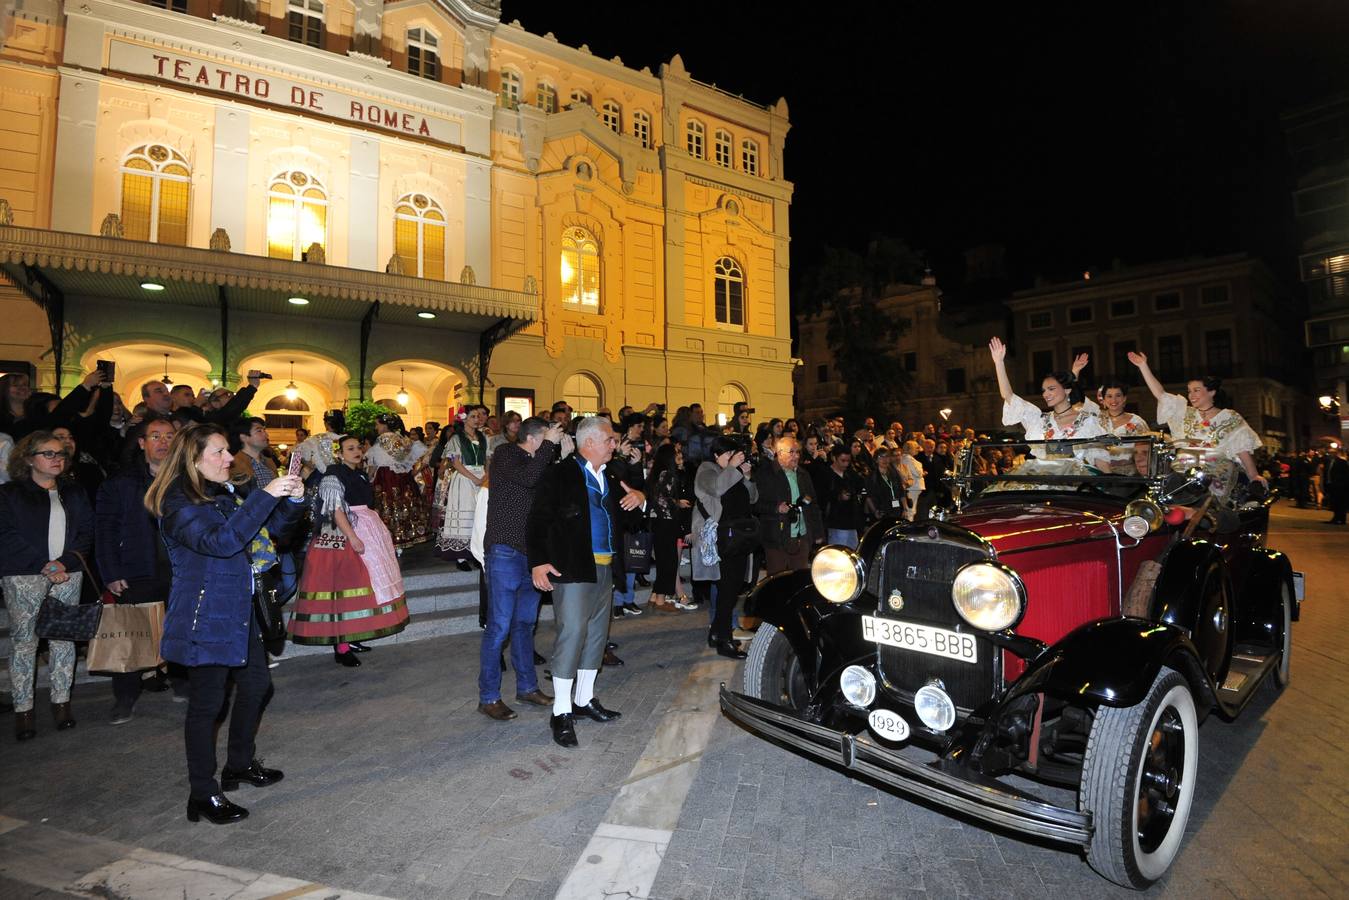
(921, 638)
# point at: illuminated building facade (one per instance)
(404, 195)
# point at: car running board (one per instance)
(1248, 669)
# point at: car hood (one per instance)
(1023, 525)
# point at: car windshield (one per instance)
(1118, 467)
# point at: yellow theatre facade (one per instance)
(374, 199)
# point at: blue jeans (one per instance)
(622, 597)
(845, 536)
(512, 608)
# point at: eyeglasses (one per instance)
(52, 454)
(160, 436)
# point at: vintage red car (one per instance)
(1041, 657)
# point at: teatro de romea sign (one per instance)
(277, 90)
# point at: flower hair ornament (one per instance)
(462, 413)
(336, 448)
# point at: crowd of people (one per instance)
(182, 498)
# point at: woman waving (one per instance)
(1069, 414)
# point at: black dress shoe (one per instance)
(539, 658)
(255, 774)
(564, 730)
(465, 565)
(347, 659)
(611, 658)
(610, 645)
(593, 710)
(217, 809)
(358, 647)
(730, 649)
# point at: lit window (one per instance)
(155, 188)
(171, 5)
(423, 53)
(728, 289)
(579, 98)
(510, 88)
(641, 128)
(749, 157)
(419, 236)
(721, 147)
(306, 22)
(612, 114)
(582, 394)
(545, 97)
(297, 215)
(693, 138)
(580, 268)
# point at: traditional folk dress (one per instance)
(1122, 458)
(1040, 425)
(397, 499)
(347, 596)
(1214, 442)
(460, 495)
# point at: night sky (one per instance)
(1072, 133)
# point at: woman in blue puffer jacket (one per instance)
(219, 541)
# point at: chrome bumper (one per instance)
(946, 784)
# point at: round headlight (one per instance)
(837, 574)
(988, 596)
(934, 707)
(858, 686)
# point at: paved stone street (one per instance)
(396, 787)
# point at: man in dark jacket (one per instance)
(513, 604)
(130, 555)
(789, 517)
(183, 404)
(841, 494)
(575, 535)
(1335, 482)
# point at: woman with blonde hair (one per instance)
(220, 538)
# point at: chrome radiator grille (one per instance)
(922, 571)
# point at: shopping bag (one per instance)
(637, 552)
(128, 638)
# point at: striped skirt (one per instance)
(337, 602)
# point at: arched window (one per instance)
(727, 398)
(306, 21)
(580, 269)
(510, 89)
(419, 236)
(545, 97)
(728, 289)
(749, 157)
(283, 413)
(155, 188)
(423, 53)
(297, 215)
(694, 133)
(641, 128)
(579, 98)
(583, 394)
(612, 114)
(721, 146)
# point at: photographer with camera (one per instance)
(843, 494)
(725, 533)
(789, 517)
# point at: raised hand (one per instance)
(1080, 362)
(1138, 359)
(997, 349)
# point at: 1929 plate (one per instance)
(921, 638)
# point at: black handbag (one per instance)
(270, 612)
(637, 552)
(58, 622)
(739, 537)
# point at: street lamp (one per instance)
(292, 391)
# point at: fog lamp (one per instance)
(858, 686)
(934, 707)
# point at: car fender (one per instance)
(1112, 662)
(1186, 599)
(1261, 619)
(782, 602)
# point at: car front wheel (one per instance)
(1284, 670)
(1138, 782)
(772, 670)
